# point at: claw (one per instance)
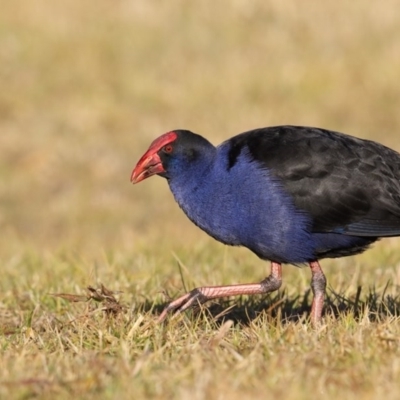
(183, 303)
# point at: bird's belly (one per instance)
(277, 238)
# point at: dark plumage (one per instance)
(290, 194)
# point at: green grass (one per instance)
(85, 87)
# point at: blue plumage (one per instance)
(232, 206)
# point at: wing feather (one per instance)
(347, 185)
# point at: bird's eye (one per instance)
(168, 148)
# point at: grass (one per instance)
(85, 87)
(52, 346)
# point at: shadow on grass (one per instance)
(280, 306)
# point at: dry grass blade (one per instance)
(101, 294)
(110, 305)
(75, 298)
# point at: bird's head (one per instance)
(173, 153)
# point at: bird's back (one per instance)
(347, 185)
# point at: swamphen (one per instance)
(290, 194)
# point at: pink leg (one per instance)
(203, 294)
(318, 285)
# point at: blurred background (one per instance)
(87, 85)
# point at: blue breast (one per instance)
(244, 205)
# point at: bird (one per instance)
(290, 194)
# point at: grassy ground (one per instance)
(85, 86)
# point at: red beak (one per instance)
(149, 165)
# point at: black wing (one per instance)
(347, 185)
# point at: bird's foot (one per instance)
(202, 294)
(183, 303)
